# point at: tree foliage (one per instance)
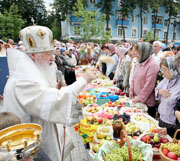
(155, 6)
(143, 8)
(172, 9)
(106, 7)
(126, 10)
(27, 9)
(10, 23)
(92, 23)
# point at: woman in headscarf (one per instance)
(145, 75)
(122, 70)
(168, 93)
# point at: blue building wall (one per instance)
(129, 25)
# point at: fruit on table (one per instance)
(165, 151)
(131, 128)
(111, 111)
(95, 148)
(171, 150)
(172, 155)
(94, 120)
(141, 118)
(154, 139)
(101, 135)
(94, 108)
(87, 99)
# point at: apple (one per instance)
(144, 139)
(165, 140)
(95, 148)
(178, 158)
(155, 131)
(99, 120)
(165, 151)
(148, 137)
(102, 142)
(172, 155)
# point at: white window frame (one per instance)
(118, 3)
(118, 28)
(144, 35)
(133, 19)
(119, 16)
(157, 35)
(145, 20)
(132, 32)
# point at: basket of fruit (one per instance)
(124, 149)
(155, 140)
(171, 151)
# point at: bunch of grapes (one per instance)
(173, 147)
(113, 157)
(121, 154)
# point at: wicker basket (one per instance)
(163, 157)
(123, 134)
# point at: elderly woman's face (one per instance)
(166, 72)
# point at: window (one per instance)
(165, 22)
(133, 33)
(119, 3)
(120, 31)
(133, 19)
(165, 33)
(144, 33)
(119, 16)
(159, 20)
(77, 30)
(93, 1)
(157, 33)
(166, 10)
(174, 36)
(145, 20)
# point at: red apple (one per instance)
(165, 140)
(155, 131)
(148, 137)
(178, 158)
(165, 151)
(99, 120)
(144, 139)
(172, 155)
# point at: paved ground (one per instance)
(79, 153)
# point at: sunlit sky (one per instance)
(47, 2)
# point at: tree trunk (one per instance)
(168, 30)
(174, 28)
(141, 21)
(122, 25)
(107, 23)
(155, 18)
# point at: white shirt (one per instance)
(157, 57)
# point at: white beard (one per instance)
(48, 72)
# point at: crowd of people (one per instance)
(41, 91)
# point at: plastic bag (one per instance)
(86, 130)
(146, 150)
(144, 126)
(108, 130)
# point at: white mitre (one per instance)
(37, 39)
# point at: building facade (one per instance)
(132, 25)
